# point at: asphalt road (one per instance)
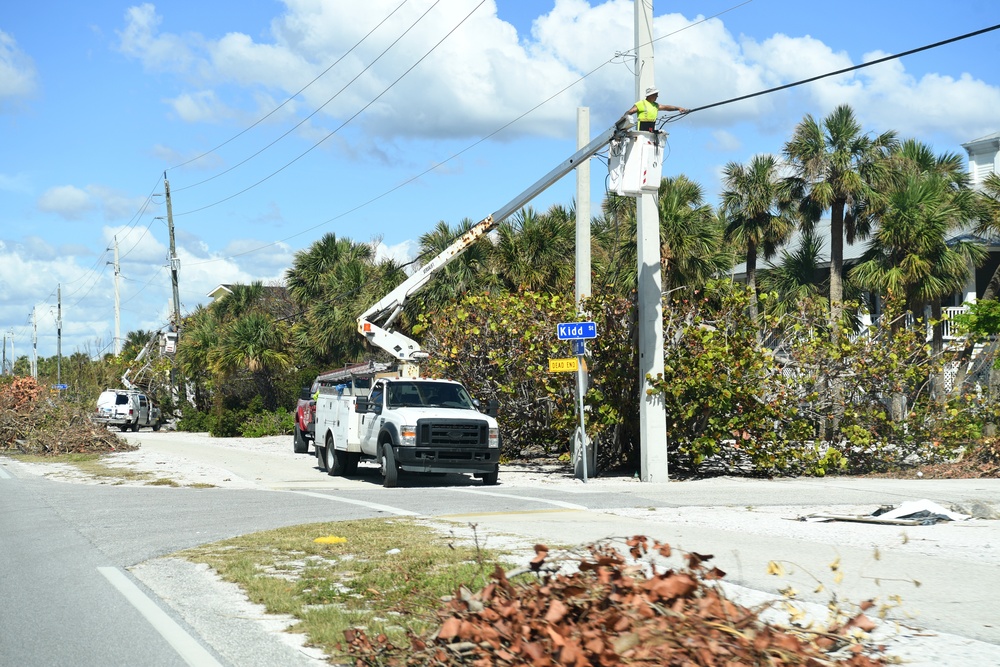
(68, 595)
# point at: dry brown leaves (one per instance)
(32, 422)
(612, 611)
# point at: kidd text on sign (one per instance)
(576, 330)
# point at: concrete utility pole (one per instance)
(59, 334)
(652, 416)
(583, 460)
(118, 304)
(582, 209)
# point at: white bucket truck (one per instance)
(408, 424)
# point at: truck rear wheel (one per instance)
(387, 465)
(336, 460)
(299, 444)
(156, 426)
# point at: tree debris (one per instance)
(613, 611)
(31, 422)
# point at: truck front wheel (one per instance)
(491, 478)
(387, 465)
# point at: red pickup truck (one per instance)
(305, 419)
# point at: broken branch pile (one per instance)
(33, 423)
(611, 612)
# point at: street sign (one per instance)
(576, 330)
(60, 386)
(562, 365)
(579, 346)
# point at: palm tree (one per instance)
(255, 343)
(241, 300)
(535, 252)
(467, 272)
(201, 337)
(305, 279)
(691, 238)
(988, 215)
(839, 168)
(692, 250)
(909, 255)
(756, 215)
(793, 278)
(325, 282)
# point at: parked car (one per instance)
(127, 409)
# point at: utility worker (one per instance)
(648, 108)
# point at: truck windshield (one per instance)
(437, 394)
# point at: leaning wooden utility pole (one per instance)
(652, 416)
(175, 265)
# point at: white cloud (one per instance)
(141, 39)
(73, 203)
(401, 252)
(67, 201)
(201, 107)
(17, 71)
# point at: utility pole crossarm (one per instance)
(374, 324)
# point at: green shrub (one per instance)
(195, 422)
(279, 422)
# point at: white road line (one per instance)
(363, 503)
(4, 474)
(555, 503)
(186, 646)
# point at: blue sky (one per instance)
(98, 99)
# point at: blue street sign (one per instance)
(579, 346)
(60, 386)
(576, 330)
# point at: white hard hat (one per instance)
(652, 91)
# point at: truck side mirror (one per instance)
(361, 404)
(305, 394)
(493, 408)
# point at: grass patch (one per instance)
(163, 481)
(201, 485)
(90, 464)
(388, 576)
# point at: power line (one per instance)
(845, 70)
(300, 91)
(343, 124)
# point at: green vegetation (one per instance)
(775, 377)
(384, 575)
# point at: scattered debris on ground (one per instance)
(32, 422)
(613, 611)
(909, 513)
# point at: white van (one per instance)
(126, 408)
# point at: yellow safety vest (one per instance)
(647, 110)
